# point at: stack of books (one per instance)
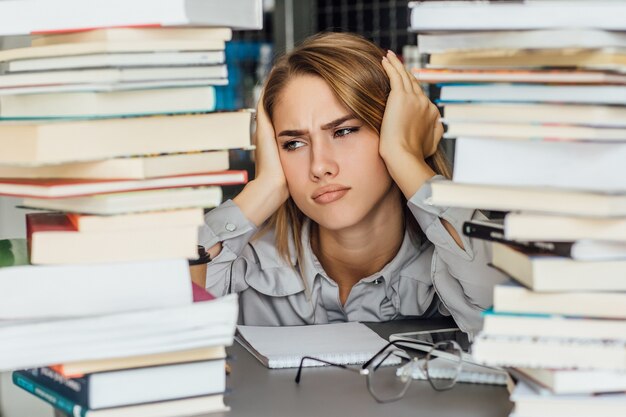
(112, 134)
(535, 95)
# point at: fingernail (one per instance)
(389, 51)
(385, 59)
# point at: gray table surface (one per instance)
(258, 391)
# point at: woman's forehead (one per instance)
(308, 98)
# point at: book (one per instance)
(610, 116)
(136, 385)
(129, 34)
(71, 187)
(105, 87)
(138, 167)
(30, 344)
(514, 298)
(54, 240)
(524, 163)
(108, 104)
(580, 38)
(75, 15)
(550, 325)
(135, 221)
(529, 403)
(132, 202)
(550, 352)
(532, 131)
(120, 60)
(284, 346)
(83, 290)
(597, 59)
(173, 408)
(466, 75)
(546, 272)
(41, 142)
(539, 226)
(443, 16)
(80, 368)
(580, 250)
(548, 200)
(570, 381)
(493, 231)
(109, 47)
(114, 75)
(515, 93)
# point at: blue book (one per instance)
(24, 380)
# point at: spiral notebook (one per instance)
(284, 346)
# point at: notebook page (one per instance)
(284, 346)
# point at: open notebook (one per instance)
(284, 347)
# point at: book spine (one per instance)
(23, 380)
(495, 234)
(74, 389)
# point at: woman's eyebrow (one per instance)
(326, 126)
(337, 122)
(292, 133)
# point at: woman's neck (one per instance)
(348, 255)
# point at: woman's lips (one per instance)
(330, 195)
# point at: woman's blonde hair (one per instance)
(352, 68)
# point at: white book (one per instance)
(117, 46)
(539, 199)
(107, 87)
(545, 272)
(529, 403)
(82, 290)
(563, 228)
(130, 34)
(526, 163)
(30, 344)
(551, 325)
(136, 59)
(68, 15)
(575, 381)
(284, 346)
(532, 131)
(140, 384)
(513, 298)
(112, 75)
(550, 352)
(589, 115)
(520, 39)
(584, 94)
(132, 202)
(89, 104)
(434, 16)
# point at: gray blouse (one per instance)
(423, 279)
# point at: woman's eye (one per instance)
(344, 131)
(292, 145)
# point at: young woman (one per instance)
(336, 225)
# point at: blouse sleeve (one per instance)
(462, 278)
(227, 271)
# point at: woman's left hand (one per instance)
(411, 122)
(410, 131)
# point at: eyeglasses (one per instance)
(388, 381)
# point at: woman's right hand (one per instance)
(268, 168)
(262, 196)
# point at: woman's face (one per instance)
(330, 159)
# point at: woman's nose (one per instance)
(323, 163)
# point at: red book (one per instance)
(61, 188)
(201, 294)
(53, 239)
